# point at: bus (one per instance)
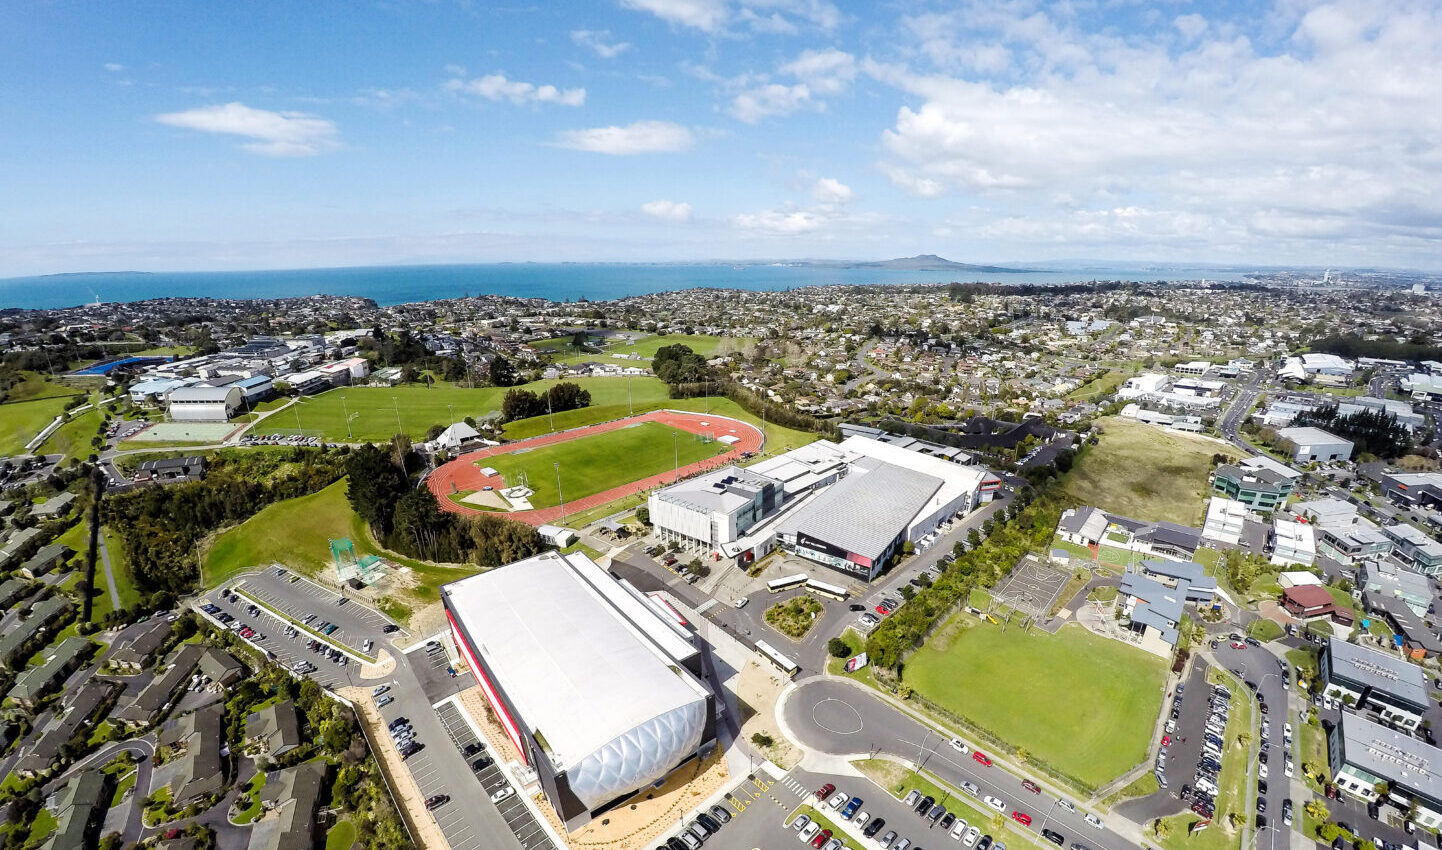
(830, 591)
(786, 583)
(782, 663)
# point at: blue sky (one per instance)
(169, 136)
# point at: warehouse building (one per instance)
(1413, 490)
(204, 404)
(712, 510)
(1414, 549)
(1259, 488)
(1363, 755)
(1393, 688)
(1314, 444)
(600, 693)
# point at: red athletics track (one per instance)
(463, 473)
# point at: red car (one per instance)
(1238, 645)
(978, 755)
(821, 838)
(1031, 786)
(1022, 818)
(886, 606)
(825, 791)
(1166, 740)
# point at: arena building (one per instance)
(600, 692)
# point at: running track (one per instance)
(464, 473)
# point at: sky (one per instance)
(186, 136)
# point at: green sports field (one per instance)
(597, 463)
(20, 421)
(375, 409)
(646, 347)
(1082, 703)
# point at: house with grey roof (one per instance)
(1386, 577)
(290, 798)
(1093, 527)
(16, 544)
(80, 807)
(13, 590)
(54, 507)
(1380, 682)
(274, 730)
(44, 616)
(33, 684)
(81, 709)
(196, 740)
(45, 559)
(1153, 611)
(163, 691)
(137, 650)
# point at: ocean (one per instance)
(555, 281)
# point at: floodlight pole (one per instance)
(296, 408)
(550, 417)
(452, 409)
(676, 453)
(559, 496)
(397, 406)
(346, 411)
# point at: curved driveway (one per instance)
(838, 718)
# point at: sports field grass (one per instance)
(376, 408)
(33, 386)
(20, 421)
(646, 347)
(1104, 385)
(1079, 702)
(597, 463)
(297, 533)
(1145, 473)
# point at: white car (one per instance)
(861, 819)
(972, 834)
(960, 746)
(971, 788)
(800, 822)
(958, 829)
(1287, 769)
(1261, 771)
(503, 794)
(1094, 820)
(840, 799)
(994, 803)
(810, 831)
(379, 689)
(1066, 804)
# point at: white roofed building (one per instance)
(600, 693)
(204, 404)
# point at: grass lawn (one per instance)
(1139, 787)
(73, 438)
(1145, 473)
(1080, 703)
(376, 408)
(793, 617)
(341, 836)
(125, 784)
(1234, 796)
(44, 824)
(34, 385)
(602, 461)
(1104, 385)
(578, 546)
(20, 421)
(897, 781)
(297, 533)
(251, 791)
(1265, 630)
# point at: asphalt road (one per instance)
(841, 719)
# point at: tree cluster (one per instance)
(1353, 346)
(1372, 430)
(523, 404)
(160, 526)
(678, 364)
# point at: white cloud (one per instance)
(273, 133)
(499, 87)
(677, 211)
(781, 223)
(705, 15)
(829, 190)
(770, 99)
(1335, 131)
(600, 41)
(636, 138)
(114, 67)
(824, 71)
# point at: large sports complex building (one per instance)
(848, 505)
(599, 689)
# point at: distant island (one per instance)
(923, 263)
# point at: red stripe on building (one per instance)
(489, 690)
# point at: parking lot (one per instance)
(302, 599)
(513, 811)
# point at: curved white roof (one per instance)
(591, 668)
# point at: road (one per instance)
(1236, 413)
(840, 718)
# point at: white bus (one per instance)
(830, 591)
(784, 664)
(786, 583)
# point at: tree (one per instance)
(908, 592)
(761, 739)
(1329, 832)
(1161, 827)
(521, 404)
(973, 539)
(1317, 809)
(373, 486)
(502, 372)
(567, 396)
(643, 515)
(678, 364)
(838, 648)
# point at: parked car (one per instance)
(1022, 818)
(436, 801)
(960, 746)
(825, 791)
(981, 758)
(1031, 786)
(1053, 836)
(873, 828)
(503, 794)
